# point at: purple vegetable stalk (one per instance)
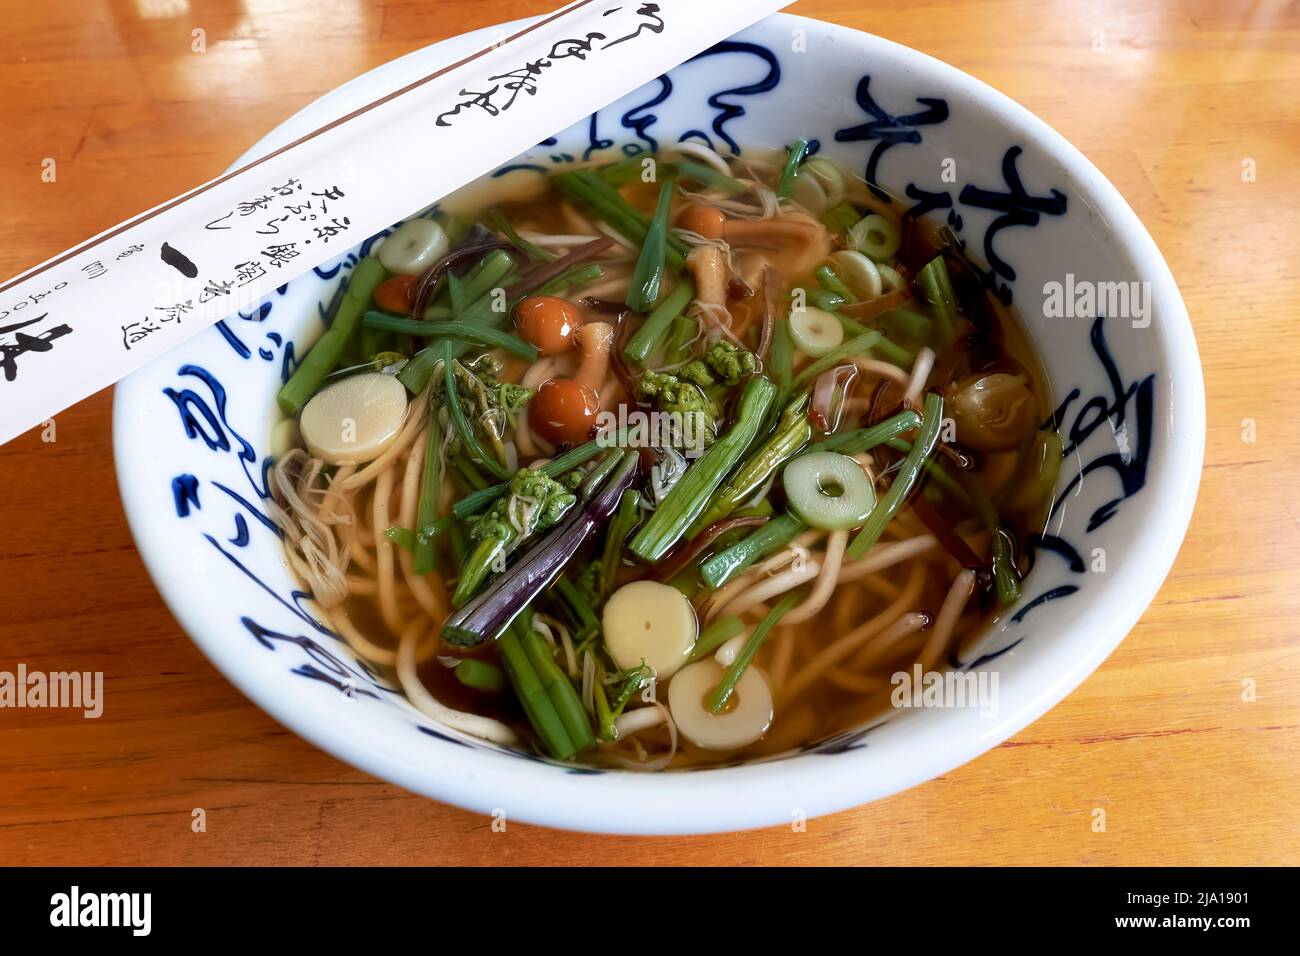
(495, 607)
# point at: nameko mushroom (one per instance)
(565, 409)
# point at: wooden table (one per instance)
(1169, 99)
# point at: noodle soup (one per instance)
(679, 460)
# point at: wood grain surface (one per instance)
(1169, 99)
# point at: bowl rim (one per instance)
(709, 801)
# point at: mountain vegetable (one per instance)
(643, 290)
(691, 409)
(480, 675)
(690, 496)
(791, 433)
(475, 332)
(495, 607)
(737, 669)
(534, 503)
(724, 363)
(646, 339)
(794, 157)
(904, 480)
(325, 354)
(770, 538)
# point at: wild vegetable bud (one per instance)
(992, 411)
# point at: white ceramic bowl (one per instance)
(192, 430)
